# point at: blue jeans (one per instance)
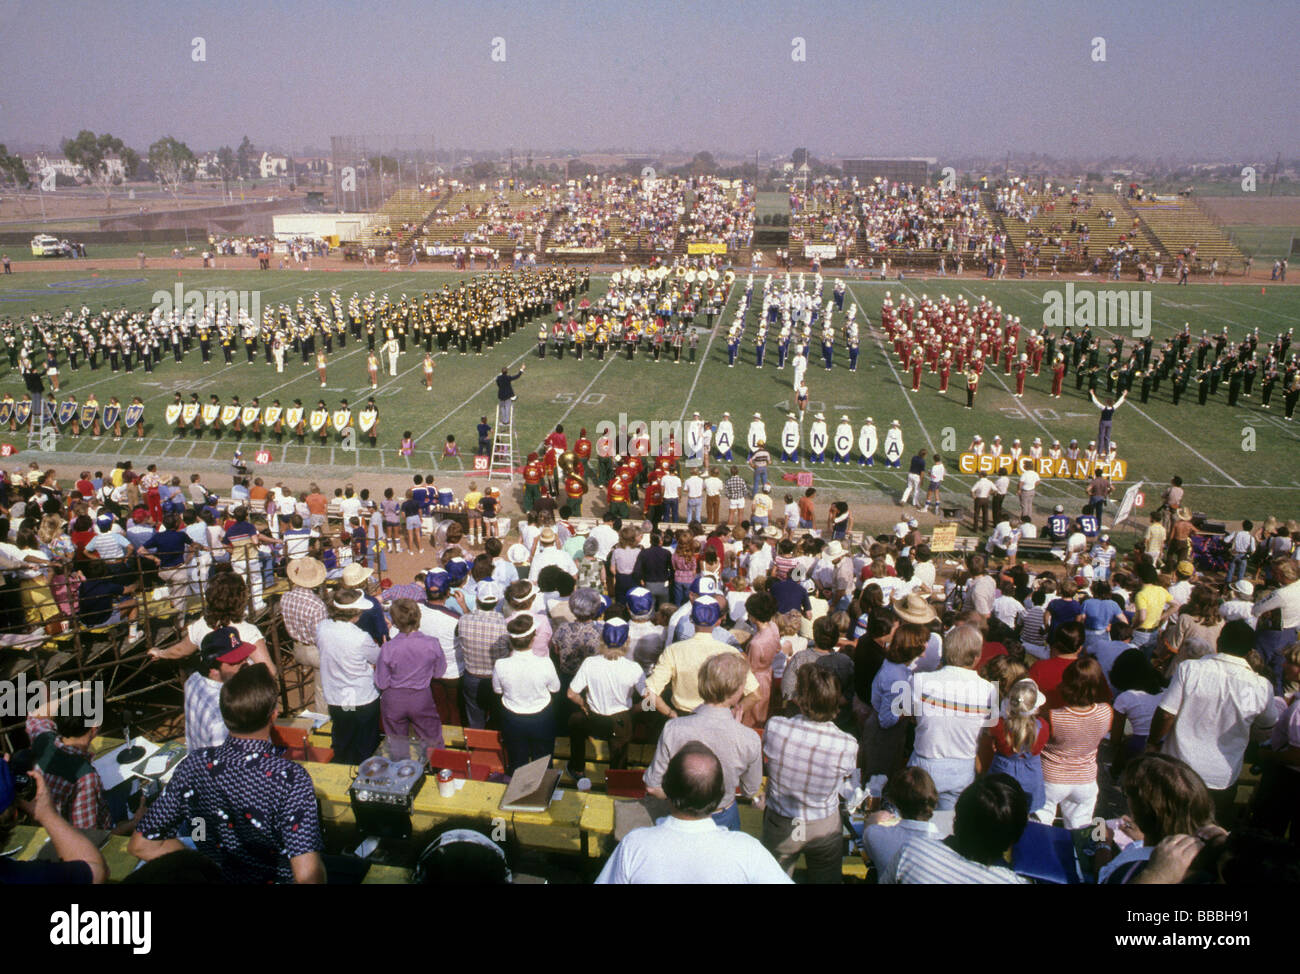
(728, 818)
(760, 478)
(1145, 641)
(1236, 568)
(950, 775)
(694, 508)
(477, 699)
(670, 509)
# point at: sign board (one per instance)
(706, 248)
(7, 449)
(262, 456)
(804, 478)
(825, 251)
(1127, 504)
(944, 538)
(1140, 499)
(480, 462)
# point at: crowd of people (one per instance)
(985, 694)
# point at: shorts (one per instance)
(936, 484)
(736, 504)
(413, 522)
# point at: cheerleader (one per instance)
(372, 367)
(407, 449)
(428, 371)
(320, 367)
(801, 399)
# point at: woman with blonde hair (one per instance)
(1019, 738)
(622, 563)
(58, 546)
(685, 566)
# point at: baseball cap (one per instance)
(640, 601)
(615, 632)
(487, 591)
(705, 612)
(705, 585)
(1186, 569)
(437, 582)
(1243, 587)
(224, 645)
(457, 568)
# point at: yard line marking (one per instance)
(713, 333)
(474, 395)
(885, 351)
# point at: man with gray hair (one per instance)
(687, 846)
(737, 747)
(951, 707)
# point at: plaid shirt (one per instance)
(481, 640)
(302, 609)
(735, 488)
(415, 591)
(81, 801)
(807, 761)
(204, 725)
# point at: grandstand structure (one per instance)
(1181, 226)
(401, 219)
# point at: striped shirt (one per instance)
(807, 762)
(1032, 631)
(1070, 757)
(930, 861)
(204, 725)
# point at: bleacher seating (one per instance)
(1181, 225)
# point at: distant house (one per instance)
(270, 166)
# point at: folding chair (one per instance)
(485, 748)
(457, 762)
(625, 784)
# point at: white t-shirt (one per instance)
(937, 473)
(442, 627)
(1029, 479)
(198, 629)
(672, 485)
(525, 681)
(677, 851)
(694, 486)
(713, 486)
(349, 507)
(609, 683)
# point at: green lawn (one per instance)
(1203, 445)
(1267, 244)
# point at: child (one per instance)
(450, 450)
(488, 505)
(1138, 689)
(484, 437)
(357, 538)
(791, 515)
(1019, 738)
(408, 445)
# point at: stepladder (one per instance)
(503, 450)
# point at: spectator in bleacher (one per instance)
(739, 748)
(809, 758)
(439, 621)
(572, 642)
(687, 846)
(260, 810)
(222, 655)
(1213, 708)
(347, 659)
(408, 664)
(225, 604)
(548, 553)
(911, 798)
(654, 567)
(679, 665)
(645, 641)
(525, 682)
(1285, 601)
(991, 815)
(77, 860)
(951, 706)
(60, 747)
(481, 640)
(1194, 632)
(302, 609)
(1078, 725)
(372, 621)
(604, 690)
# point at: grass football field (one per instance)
(1236, 462)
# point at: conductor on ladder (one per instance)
(506, 393)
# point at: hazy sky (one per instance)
(918, 77)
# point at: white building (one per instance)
(270, 166)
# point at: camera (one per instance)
(21, 764)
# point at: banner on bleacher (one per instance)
(944, 538)
(706, 248)
(575, 250)
(1062, 469)
(440, 250)
(824, 251)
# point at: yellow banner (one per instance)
(706, 248)
(972, 463)
(944, 538)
